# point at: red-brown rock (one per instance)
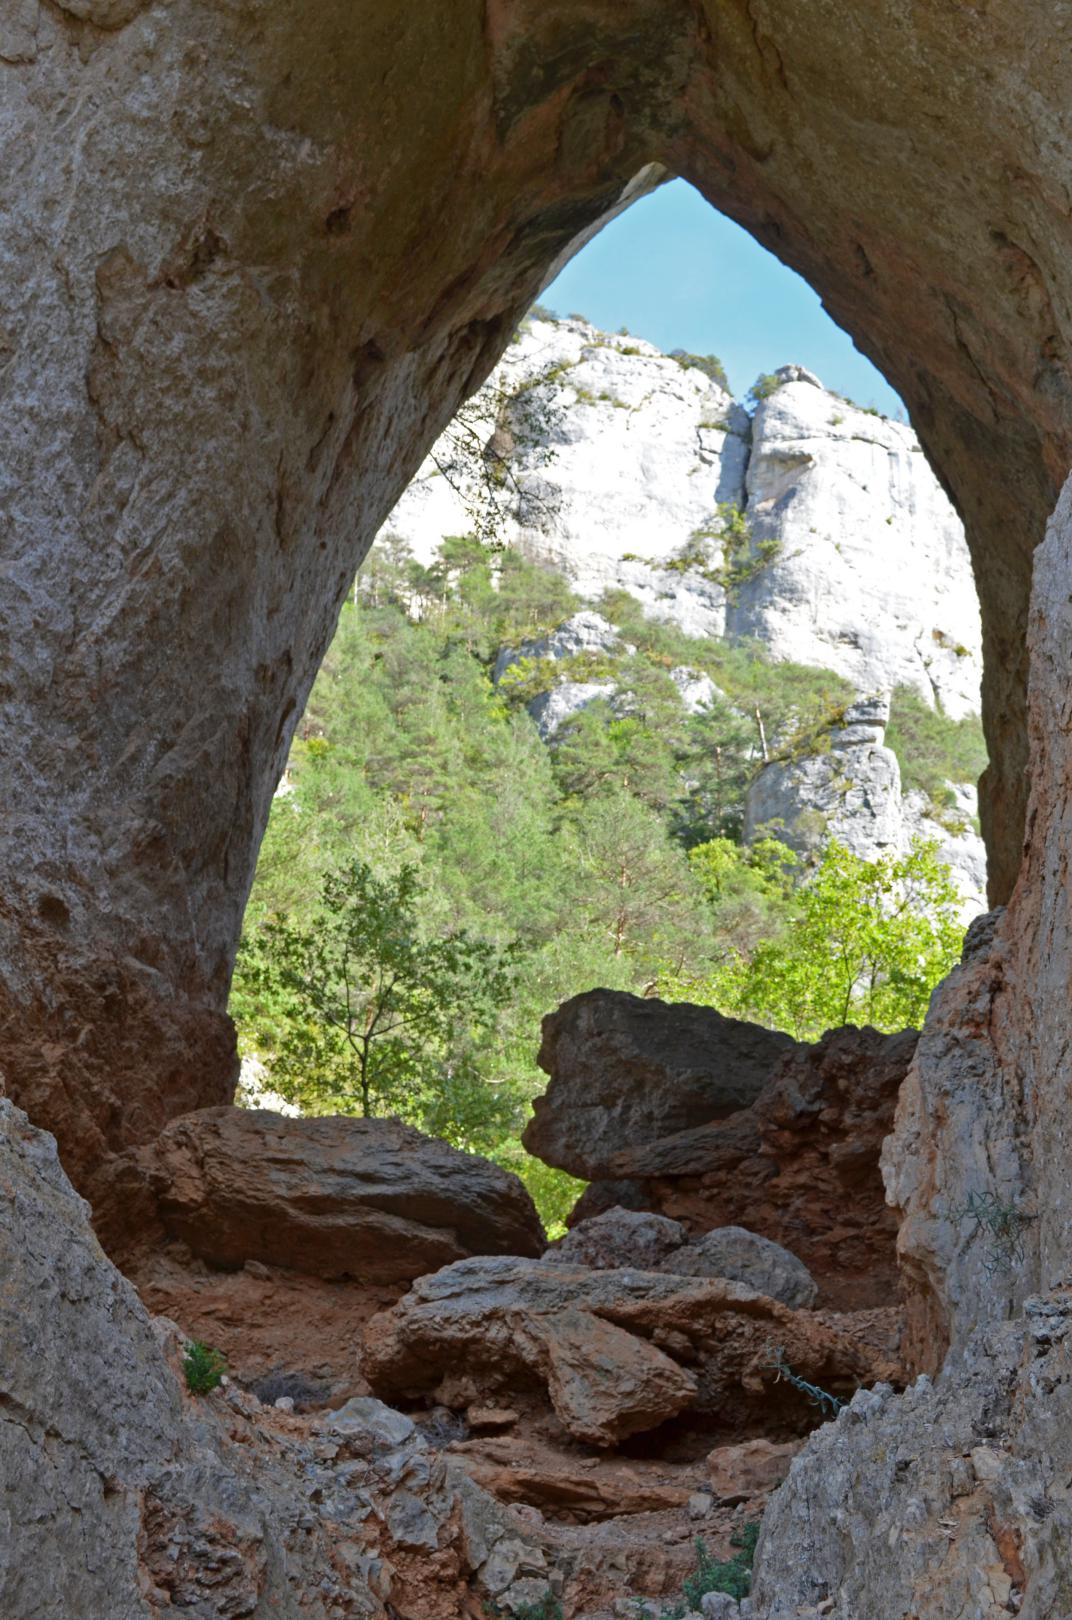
(369, 1199)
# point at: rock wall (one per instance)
(629, 456)
(978, 1160)
(245, 281)
(852, 791)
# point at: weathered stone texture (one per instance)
(369, 1199)
(627, 1070)
(618, 1352)
(978, 1161)
(226, 344)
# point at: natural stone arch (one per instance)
(254, 257)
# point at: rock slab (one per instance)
(626, 1070)
(336, 1197)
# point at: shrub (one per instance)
(203, 1367)
(933, 750)
(731, 1575)
(709, 364)
(764, 386)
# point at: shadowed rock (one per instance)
(626, 1070)
(745, 1257)
(617, 1352)
(364, 1198)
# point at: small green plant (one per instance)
(730, 1575)
(766, 384)
(828, 1404)
(1003, 1225)
(203, 1367)
(546, 1608)
(709, 364)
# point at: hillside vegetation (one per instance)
(610, 857)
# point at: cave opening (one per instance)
(637, 641)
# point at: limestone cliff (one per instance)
(854, 559)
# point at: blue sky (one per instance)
(678, 273)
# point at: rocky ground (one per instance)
(478, 1423)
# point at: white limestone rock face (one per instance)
(872, 578)
(852, 792)
(642, 450)
(630, 453)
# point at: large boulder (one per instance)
(617, 1352)
(801, 1166)
(627, 1070)
(742, 1256)
(364, 1198)
(125, 1497)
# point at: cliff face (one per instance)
(855, 562)
(227, 345)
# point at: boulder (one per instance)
(627, 1070)
(945, 1501)
(801, 1166)
(742, 1256)
(124, 1496)
(750, 1469)
(622, 1237)
(370, 1199)
(617, 1352)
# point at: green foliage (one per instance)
(1002, 1226)
(764, 386)
(933, 750)
(545, 1608)
(370, 1014)
(723, 551)
(709, 364)
(732, 1575)
(419, 792)
(202, 1367)
(863, 941)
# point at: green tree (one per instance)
(864, 941)
(366, 1014)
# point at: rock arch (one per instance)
(255, 255)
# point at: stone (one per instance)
(626, 1069)
(718, 1606)
(550, 710)
(141, 746)
(125, 1496)
(752, 1468)
(879, 1517)
(742, 1256)
(800, 1167)
(620, 1237)
(606, 1383)
(699, 1505)
(618, 1352)
(976, 1164)
(851, 791)
(869, 577)
(367, 1425)
(333, 1197)
(862, 526)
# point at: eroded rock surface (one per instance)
(124, 1497)
(851, 790)
(800, 1166)
(945, 1501)
(618, 1352)
(369, 1199)
(745, 1257)
(625, 1069)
